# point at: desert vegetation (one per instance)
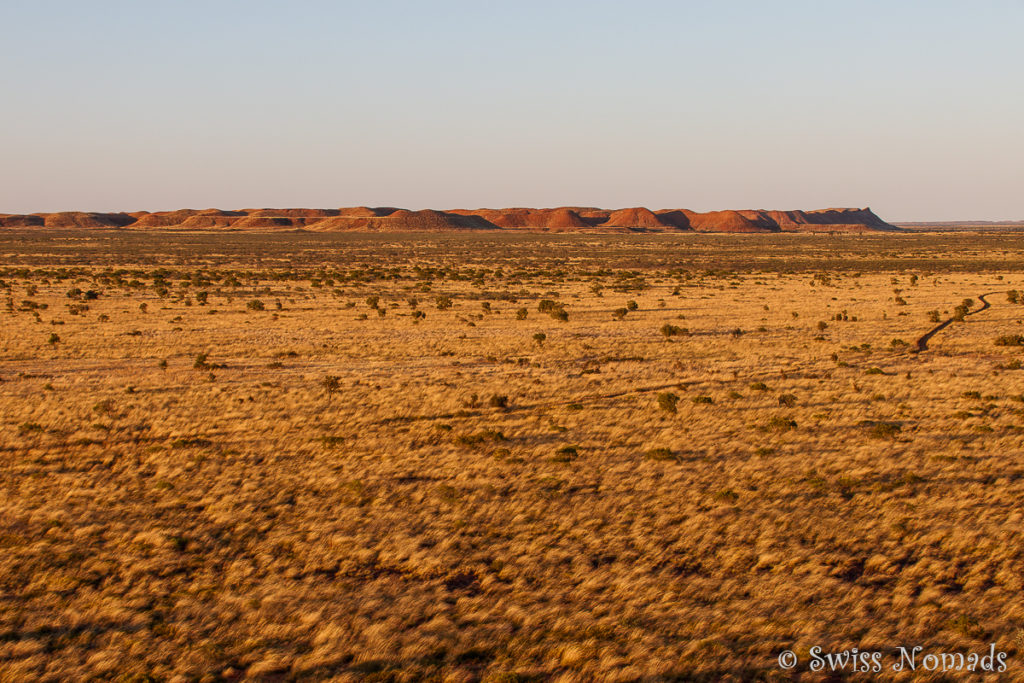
(504, 457)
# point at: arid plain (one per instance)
(505, 457)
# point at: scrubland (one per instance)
(391, 458)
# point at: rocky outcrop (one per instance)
(390, 219)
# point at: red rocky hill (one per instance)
(389, 219)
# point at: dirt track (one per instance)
(922, 341)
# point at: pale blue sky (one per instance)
(913, 108)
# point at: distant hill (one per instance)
(389, 219)
(963, 226)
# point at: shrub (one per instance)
(759, 386)
(255, 305)
(547, 305)
(521, 314)
(331, 385)
(200, 362)
(498, 401)
(667, 401)
(661, 454)
(30, 428)
(539, 338)
(191, 442)
(373, 301)
(443, 302)
(726, 496)
(933, 316)
(619, 313)
(565, 454)
(554, 309)
(788, 400)
(963, 309)
(703, 400)
(478, 437)
(1010, 340)
(631, 305)
(54, 338)
(104, 407)
(780, 423)
(884, 430)
(670, 330)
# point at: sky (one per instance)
(914, 108)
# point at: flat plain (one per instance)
(505, 458)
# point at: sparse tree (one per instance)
(331, 385)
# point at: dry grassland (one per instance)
(401, 464)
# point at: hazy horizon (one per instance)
(912, 110)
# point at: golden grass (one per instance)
(240, 517)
